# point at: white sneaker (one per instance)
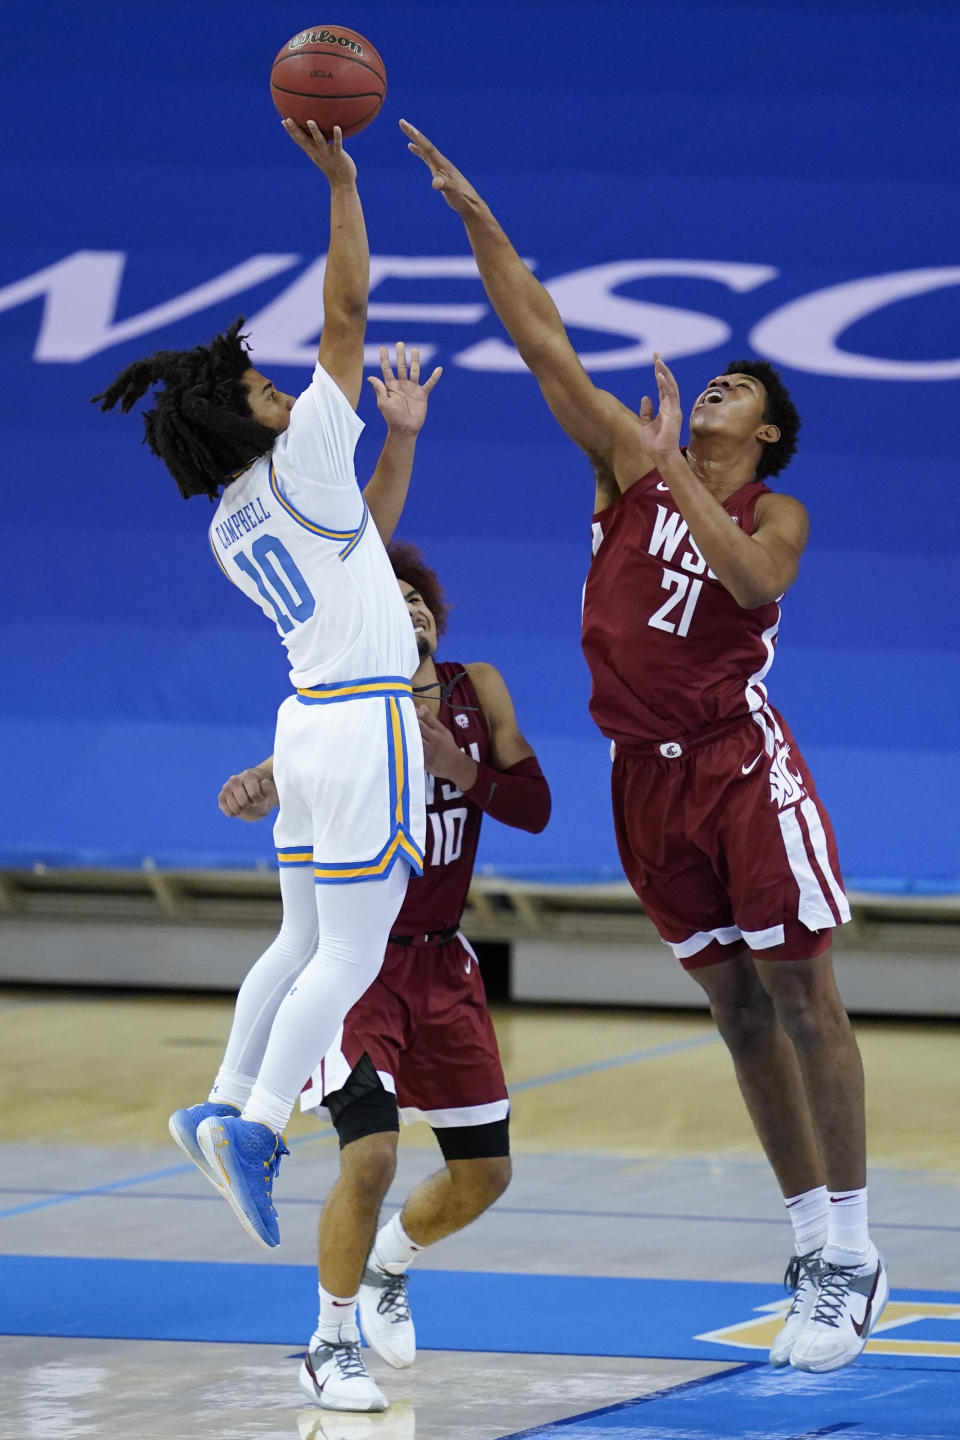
(335, 1377)
(801, 1277)
(385, 1317)
(850, 1301)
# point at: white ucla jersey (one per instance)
(293, 532)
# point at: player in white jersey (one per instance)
(293, 532)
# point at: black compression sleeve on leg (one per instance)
(475, 1142)
(363, 1106)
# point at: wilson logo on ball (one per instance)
(324, 37)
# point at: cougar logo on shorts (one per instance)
(463, 721)
(786, 787)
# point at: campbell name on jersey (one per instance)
(670, 651)
(293, 533)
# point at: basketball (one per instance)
(331, 75)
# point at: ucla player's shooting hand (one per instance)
(249, 796)
(328, 155)
(401, 398)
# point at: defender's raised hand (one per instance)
(661, 432)
(456, 188)
(401, 398)
(328, 155)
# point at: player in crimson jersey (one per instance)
(420, 1042)
(719, 827)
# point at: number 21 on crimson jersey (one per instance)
(670, 531)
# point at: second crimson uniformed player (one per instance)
(420, 1042)
(720, 829)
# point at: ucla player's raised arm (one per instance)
(346, 280)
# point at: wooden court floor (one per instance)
(633, 1162)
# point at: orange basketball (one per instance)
(331, 75)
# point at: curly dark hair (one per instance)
(408, 564)
(201, 426)
(780, 411)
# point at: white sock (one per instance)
(337, 1324)
(230, 1088)
(848, 1239)
(266, 1107)
(393, 1250)
(808, 1215)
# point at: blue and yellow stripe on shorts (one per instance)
(349, 539)
(387, 686)
(400, 842)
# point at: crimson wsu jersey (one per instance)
(669, 649)
(435, 900)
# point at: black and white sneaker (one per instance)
(801, 1278)
(850, 1301)
(385, 1317)
(335, 1377)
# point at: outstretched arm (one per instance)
(403, 404)
(596, 420)
(346, 281)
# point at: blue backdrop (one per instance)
(710, 180)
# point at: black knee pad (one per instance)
(363, 1105)
(475, 1142)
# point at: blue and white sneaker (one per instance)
(183, 1127)
(246, 1156)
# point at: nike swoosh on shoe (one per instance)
(864, 1325)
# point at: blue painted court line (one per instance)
(455, 1310)
(652, 1052)
(767, 1404)
(550, 1429)
(66, 1197)
(207, 1197)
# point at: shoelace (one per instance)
(802, 1271)
(272, 1166)
(393, 1300)
(834, 1287)
(349, 1361)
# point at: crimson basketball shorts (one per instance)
(426, 1030)
(726, 843)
